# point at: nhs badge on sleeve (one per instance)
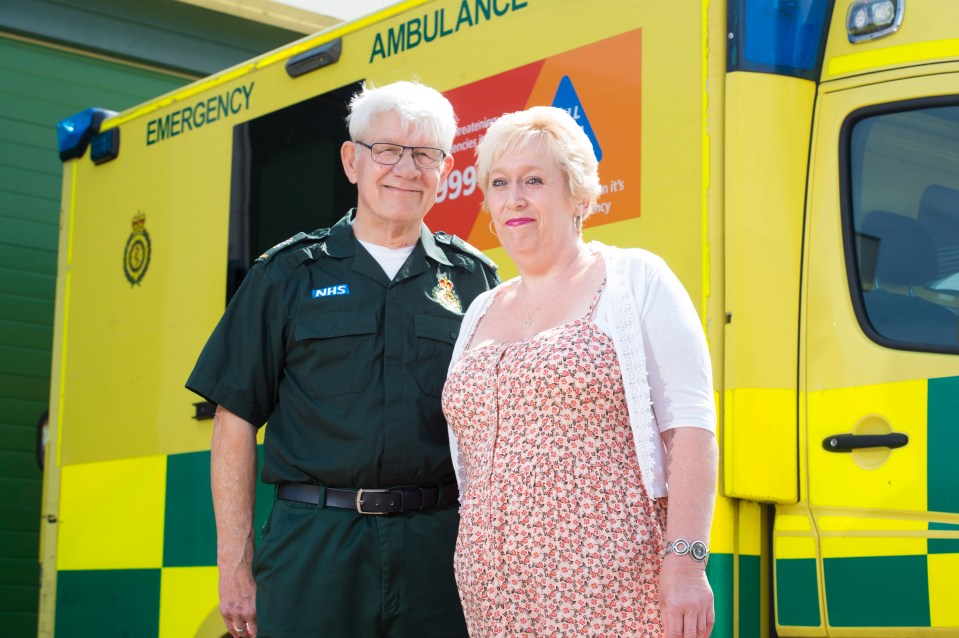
(332, 291)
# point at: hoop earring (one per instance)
(491, 229)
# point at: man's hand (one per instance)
(238, 601)
(233, 481)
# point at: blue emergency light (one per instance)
(785, 37)
(75, 132)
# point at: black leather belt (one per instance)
(373, 501)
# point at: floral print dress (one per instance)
(557, 536)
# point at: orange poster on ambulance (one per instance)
(587, 82)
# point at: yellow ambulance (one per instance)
(795, 161)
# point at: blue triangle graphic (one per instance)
(567, 100)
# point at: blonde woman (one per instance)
(579, 398)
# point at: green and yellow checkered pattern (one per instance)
(137, 548)
(137, 552)
(895, 573)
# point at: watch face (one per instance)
(698, 551)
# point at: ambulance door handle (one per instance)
(850, 442)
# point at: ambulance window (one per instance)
(902, 224)
(287, 177)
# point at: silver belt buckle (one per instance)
(359, 501)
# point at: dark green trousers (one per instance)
(334, 572)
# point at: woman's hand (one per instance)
(685, 597)
(684, 593)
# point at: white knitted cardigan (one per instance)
(624, 294)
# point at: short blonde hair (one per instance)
(558, 135)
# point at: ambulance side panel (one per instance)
(146, 238)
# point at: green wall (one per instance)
(162, 33)
(38, 87)
(58, 57)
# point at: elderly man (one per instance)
(341, 340)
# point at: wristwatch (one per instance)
(697, 550)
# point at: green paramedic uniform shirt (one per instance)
(346, 365)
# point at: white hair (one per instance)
(424, 110)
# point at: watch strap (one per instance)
(697, 550)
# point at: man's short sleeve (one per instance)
(240, 365)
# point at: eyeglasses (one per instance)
(391, 154)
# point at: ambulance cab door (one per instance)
(879, 338)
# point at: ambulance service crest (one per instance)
(445, 295)
(136, 255)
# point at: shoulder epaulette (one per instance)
(298, 238)
(465, 247)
